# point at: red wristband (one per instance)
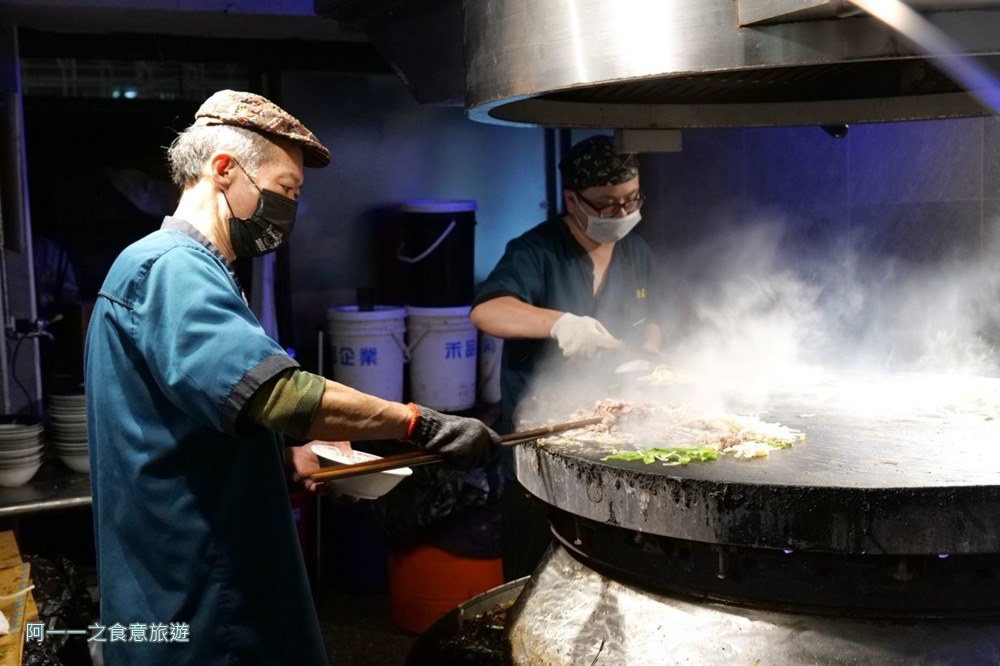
(413, 419)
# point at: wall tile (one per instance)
(813, 233)
(918, 233)
(916, 161)
(991, 157)
(991, 229)
(795, 165)
(685, 224)
(709, 168)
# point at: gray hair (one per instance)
(188, 152)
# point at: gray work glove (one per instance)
(464, 442)
(582, 336)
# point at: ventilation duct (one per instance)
(647, 64)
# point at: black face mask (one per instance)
(267, 228)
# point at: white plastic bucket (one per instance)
(367, 348)
(490, 351)
(443, 348)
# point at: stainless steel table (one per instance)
(54, 487)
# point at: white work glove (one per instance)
(582, 336)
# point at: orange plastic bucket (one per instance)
(426, 582)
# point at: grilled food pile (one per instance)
(677, 434)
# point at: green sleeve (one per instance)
(286, 403)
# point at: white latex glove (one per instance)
(582, 336)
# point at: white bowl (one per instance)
(18, 476)
(19, 444)
(27, 461)
(71, 451)
(61, 445)
(366, 486)
(77, 463)
(68, 419)
(67, 398)
(67, 433)
(11, 431)
(14, 454)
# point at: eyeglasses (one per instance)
(614, 209)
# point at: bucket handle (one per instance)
(416, 343)
(402, 347)
(423, 255)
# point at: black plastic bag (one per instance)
(63, 603)
(455, 510)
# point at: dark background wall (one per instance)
(888, 235)
(919, 190)
(75, 147)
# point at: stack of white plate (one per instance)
(68, 430)
(21, 450)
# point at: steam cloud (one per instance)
(754, 309)
(753, 314)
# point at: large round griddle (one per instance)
(904, 482)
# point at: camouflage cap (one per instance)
(243, 109)
(594, 163)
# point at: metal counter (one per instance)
(53, 487)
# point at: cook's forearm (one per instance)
(346, 414)
(508, 317)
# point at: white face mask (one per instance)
(610, 229)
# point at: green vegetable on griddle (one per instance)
(674, 454)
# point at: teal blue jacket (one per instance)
(191, 510)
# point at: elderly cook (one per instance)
(567, 290)
(188, 401)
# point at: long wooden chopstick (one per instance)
(414, 458)
(515, 438)
(408, 459)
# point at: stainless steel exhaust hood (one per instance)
(646, 64)
(691, 63)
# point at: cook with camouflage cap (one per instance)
(273, 206)
(249, 110)
(200, 415)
